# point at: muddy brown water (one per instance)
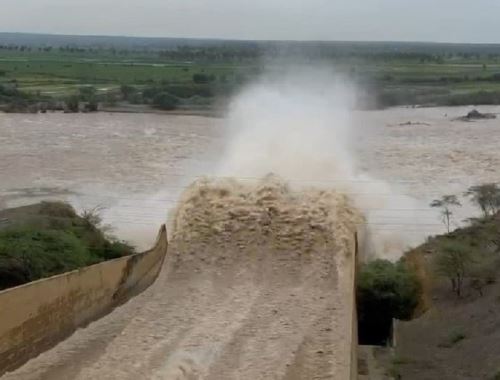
(135, 165)
(265, 315)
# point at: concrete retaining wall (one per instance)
(358, 241)
(36, 316)
(353, 341)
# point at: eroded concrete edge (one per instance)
(36, 316)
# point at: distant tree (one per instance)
(150, 92)
(137, 98)
(165, 101)
(445, 204)
(87, 93)
(486, 197)
(72, 104)
(92, 105)
(110, 99)
(453, 261)
(93, 216)
(223, 78)
(201, 78)
(127, 92)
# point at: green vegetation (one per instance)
(468, 257)
(384, 291)
(50, 238)
(50, 69)
(453, 260)
(28, 254)
(165, 101)
(455, 332)
(486, 197)
(72, 103)
(465, 261)
(15, 100)
(469, 254)
(446, 203)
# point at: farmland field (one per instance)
(202, 72)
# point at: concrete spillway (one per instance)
(258, 283)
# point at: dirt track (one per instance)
(255, 286)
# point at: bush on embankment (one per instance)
(385, 290)
(46, 239)
(463, 262)
(458, 337)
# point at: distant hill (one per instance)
(162, 43)
(118, 42)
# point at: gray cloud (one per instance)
(401, 20)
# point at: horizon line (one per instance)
(224, 39)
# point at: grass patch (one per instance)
(50, 238)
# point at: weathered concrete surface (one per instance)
(254, 315)
(258, 283)
(375, 363)
(35, 316)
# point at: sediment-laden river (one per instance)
(135, 165)
(257, 280)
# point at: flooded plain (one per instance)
(135, 165)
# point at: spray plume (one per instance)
(299, 126)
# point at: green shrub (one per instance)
(480, 97)
(128, 92)
(453, 261)
(29, 254)
(200, 78)
(385, 291)
(50, 238)
(72, 103)
(165, 101)
(187, 91)
(87, 93)
(115, 249)
(57, 209)
(468, 257)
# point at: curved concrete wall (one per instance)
(36, 316)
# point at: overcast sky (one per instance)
(395, 20)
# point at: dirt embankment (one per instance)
(457, 337)
(255, 286)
